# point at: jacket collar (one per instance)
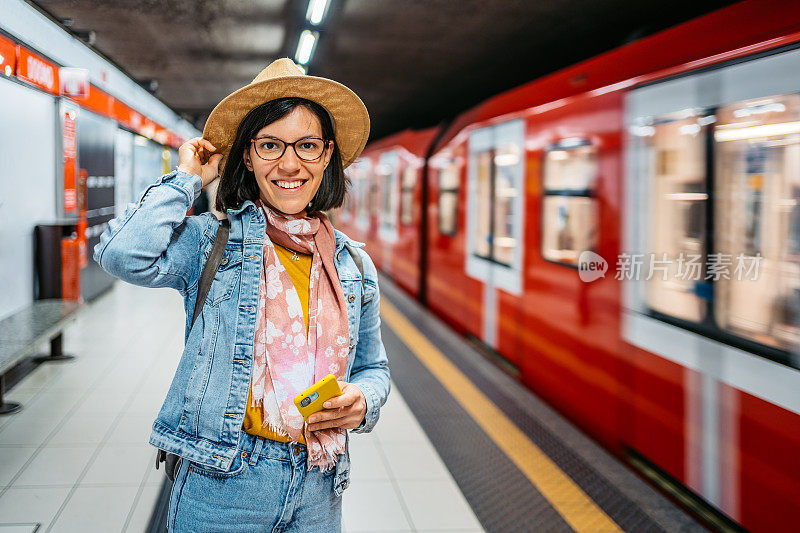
(342, 239)
(245, 205)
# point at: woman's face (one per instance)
(288, 183)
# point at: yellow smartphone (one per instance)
(310, 400)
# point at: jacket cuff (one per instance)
(373, 408)
(191, 184)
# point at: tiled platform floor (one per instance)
(76, 458)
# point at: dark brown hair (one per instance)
(237, 183)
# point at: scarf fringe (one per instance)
(324, 459)
(275, 427)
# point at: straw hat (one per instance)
(282, 78)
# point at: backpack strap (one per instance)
(360, 266)
(211, 266)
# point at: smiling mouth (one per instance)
(289, 185)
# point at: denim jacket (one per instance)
(155, 244)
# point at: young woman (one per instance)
(287, 306)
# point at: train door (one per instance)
(387, 172)
(495, 216)
(712, 209)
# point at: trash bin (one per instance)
(57, 260)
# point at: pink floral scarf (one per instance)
(286, 361)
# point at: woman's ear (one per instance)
(328, 154)
(247, 162)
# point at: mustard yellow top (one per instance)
(300, 273)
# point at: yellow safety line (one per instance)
(577, 509)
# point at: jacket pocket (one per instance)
(226, 278)
(370, 289)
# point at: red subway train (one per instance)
(625, 233)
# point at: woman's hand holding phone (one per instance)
(345, 411)
(193, 158)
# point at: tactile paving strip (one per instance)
(408, 373)
(502, 498)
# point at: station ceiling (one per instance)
(413, 62)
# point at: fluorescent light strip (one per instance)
(305, 47)
(316, 11)
(754, 132)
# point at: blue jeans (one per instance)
(267, 489)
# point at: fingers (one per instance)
(198, 142)
(198, 145)
(213, 162)
(346, 398)
(328, 414)
(330, 419)
(345, 419)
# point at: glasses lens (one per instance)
(269, 148)
(309, 149)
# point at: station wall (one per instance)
(27, 187)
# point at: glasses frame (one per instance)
(292, 144)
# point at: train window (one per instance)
(359, 173)
(388, 179)
(569, 212)
(496, 194)
(386, 173)
(506, 160)
(448, 198)
(713, 174)
(757, 182)
(346, 212)
(407, 195)
(483, 240)
(676, 155)
(571, 165)
(794, 222)
(374, 197)
(495, 207)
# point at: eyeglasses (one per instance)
(272, 148)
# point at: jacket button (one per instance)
(351, 298)
(297, 451)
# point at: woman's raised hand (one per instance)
(193, 158)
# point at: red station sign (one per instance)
(37, 70)
(8, 57)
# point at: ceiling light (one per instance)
(316, 11)
(305, 47)
(754, 132)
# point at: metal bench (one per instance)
(23, 331)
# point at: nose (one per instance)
(289, 162)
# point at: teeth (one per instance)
(283, 184)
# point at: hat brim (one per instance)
(349, 114)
